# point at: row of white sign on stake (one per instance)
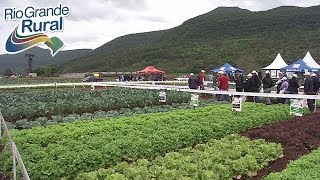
(15, 152)
(297, 102)
(296, 105)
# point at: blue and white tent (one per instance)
(299, 66)
(226, 68)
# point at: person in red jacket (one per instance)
(201, 79)
(223, 83)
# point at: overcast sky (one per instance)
(92, 23)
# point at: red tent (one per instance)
(150, 70)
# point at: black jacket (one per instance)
(308, 86)
(267, 82)
(239, 81)
(249, 85)
(278, 87)
(192, 81)
(315, 84)
(257, 83)
(293, 85)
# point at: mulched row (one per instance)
(298, 137)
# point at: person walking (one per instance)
(192, 81)
(223, 83)
(267, 84)
(239, 80)
(201, 79)
(308, 90)
(249, 87)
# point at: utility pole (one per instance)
(30, 61)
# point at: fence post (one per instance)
(20, 163)
(315, 104)
(5, 128)
(15, 153)
(14, 168)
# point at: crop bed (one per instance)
(37, 80)
(229, 157)
(34, 104)
(298, 136)
(71, 148)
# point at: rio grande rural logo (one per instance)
(34, 23)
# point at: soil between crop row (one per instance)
(297, 136)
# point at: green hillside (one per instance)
(18, 62)
(246, 39)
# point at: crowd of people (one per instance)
(145, 77)
(254, 82)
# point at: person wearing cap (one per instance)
(308, 90)
(278, 85)
(293, 87)
(201, 79)
(284, 85)
(223, 84)
(279, 81)
(315, 81)
(239, 80)
(192, 81)
(283, 89)
(248, 86)
(267, 85)
(257, 84)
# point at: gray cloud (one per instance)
(128, 4)
(153, 19)
(88, 36)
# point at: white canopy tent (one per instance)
(308, 59)
(275, 66)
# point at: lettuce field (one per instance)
(126, 134)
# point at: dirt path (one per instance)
(298, 137)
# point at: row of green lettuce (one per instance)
(33, 104)
(37, 80)
(306, 167)
(68, 149)
(230, 157)
(44, 121)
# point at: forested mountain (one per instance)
(246, 39)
